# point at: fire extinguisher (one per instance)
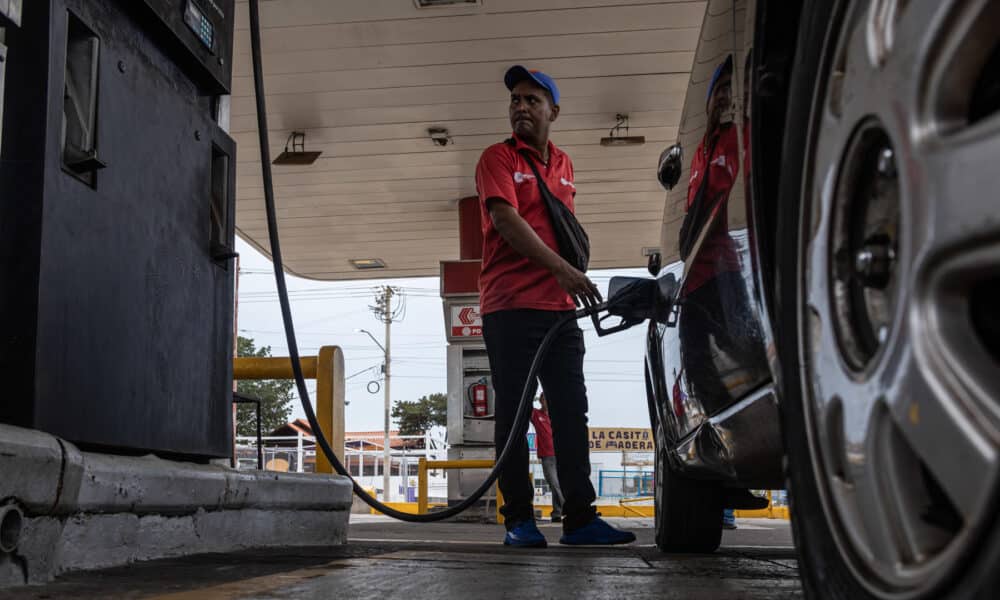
(479, 398)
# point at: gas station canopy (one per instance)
(366, 81)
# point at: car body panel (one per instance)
(709, 369)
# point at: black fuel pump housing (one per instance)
(116, 224)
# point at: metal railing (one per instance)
(626, 509)
(424, 465)
(619, 483)
(777, 507)
(239, 398)
(327, 368)
(363, 459)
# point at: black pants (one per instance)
(512, 337)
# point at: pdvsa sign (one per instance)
(466, 322)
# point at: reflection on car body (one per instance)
(716, 355)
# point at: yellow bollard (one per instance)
(327, 368)
(271, 367)
(499, 503)
(422, 486)
(330, 404)
(424, 464)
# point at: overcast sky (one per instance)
(327, 313)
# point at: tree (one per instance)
(415, 418)
(275, 395)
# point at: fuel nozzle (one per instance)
(631, 301)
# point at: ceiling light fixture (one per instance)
(364, 264)
(440, 136)
(297, 155)
(615, 137)
(439, 3)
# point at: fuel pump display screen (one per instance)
(200, 25)
(201, 30)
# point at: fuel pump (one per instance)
(117, 206)
(470, 389)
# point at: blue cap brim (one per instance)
(726, 65)
(519, 73)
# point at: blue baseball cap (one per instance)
(517, 74)
(724, 66)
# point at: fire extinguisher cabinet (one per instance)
(470, 394)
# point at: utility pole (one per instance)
(388, 365)
(386, 312)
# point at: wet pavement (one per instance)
(388, 559)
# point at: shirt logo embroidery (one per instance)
(565, 181)
(721, 161)
(520, 177)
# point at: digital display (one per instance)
(200, 25)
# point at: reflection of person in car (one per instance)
(718, 331)
(714, 168)
(715, 298)
(717, 325)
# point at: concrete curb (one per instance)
(151, 485)
(32, 466)
(86, 510)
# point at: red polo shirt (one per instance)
(509, 280)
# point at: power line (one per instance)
(362, 371)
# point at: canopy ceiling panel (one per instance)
(366, 80)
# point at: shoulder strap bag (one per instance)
(698, 214)
(574, 245)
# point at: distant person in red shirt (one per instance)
(525, 288)
(547, 454)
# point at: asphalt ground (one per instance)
(389, 559)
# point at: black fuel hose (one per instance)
(520, 427)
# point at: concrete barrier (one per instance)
(83, 510)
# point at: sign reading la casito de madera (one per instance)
(618, 439)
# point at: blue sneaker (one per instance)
(728, 519)
(525, 534)
(597, 533)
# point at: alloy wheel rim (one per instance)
(900, 384)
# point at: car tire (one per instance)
(688, 512)
(826, 568)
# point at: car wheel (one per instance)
(688, 512)
(889, 279)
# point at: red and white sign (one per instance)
(466, 322)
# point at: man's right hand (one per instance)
(583, 291)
